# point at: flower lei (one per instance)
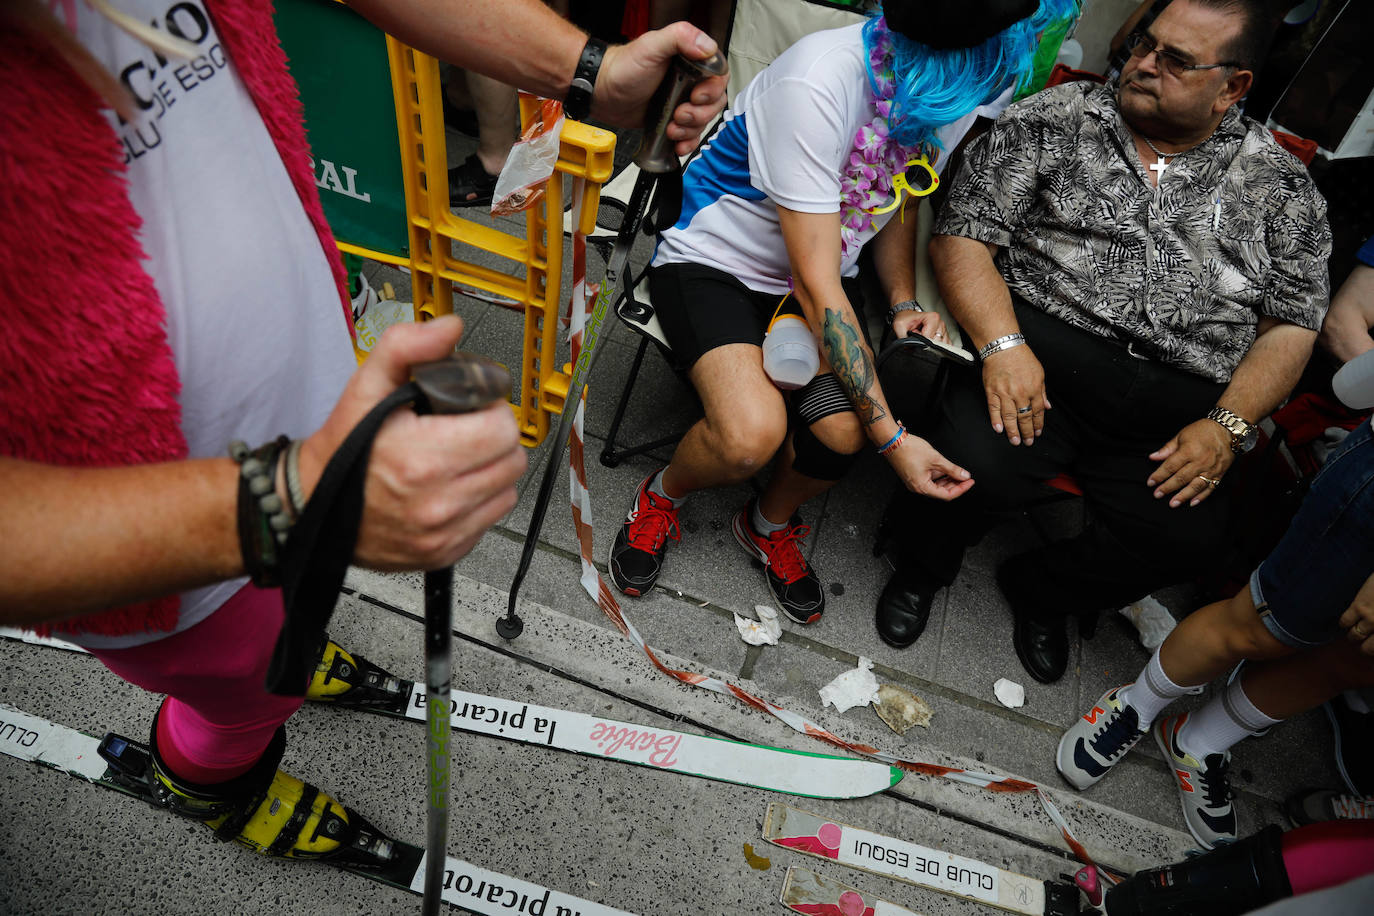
(866, 182)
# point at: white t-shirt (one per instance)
(253, 315)
(784, 142)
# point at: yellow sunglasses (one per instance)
(900, 183)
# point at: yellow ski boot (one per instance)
(272, 812)
(343, 679)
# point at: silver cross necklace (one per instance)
(1162, 162)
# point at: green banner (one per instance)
(339, 60)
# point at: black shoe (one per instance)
(904, 609)
(1042, 647)
(1354, 734)
(1040, 644)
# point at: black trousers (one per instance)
(1110, 411)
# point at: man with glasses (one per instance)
(1144, 272)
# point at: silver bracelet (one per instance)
(1005, 342)
(906, 305)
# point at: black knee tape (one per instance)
(814, 458)
(819, 398)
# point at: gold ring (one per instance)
(1362, 634)
(1211, 482)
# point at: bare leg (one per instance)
(745, 422)
(498, 112)
(456, 88)
(1284, 687)
(1213, 640)
(498, 118)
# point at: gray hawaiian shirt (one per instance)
(1182, 273)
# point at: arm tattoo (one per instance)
(852, 364)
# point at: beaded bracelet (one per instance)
(262, 518)
(1005, 342)
(295, 491)
(906, 305)
(894, 442)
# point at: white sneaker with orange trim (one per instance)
(1203, 787)
(1098, 739)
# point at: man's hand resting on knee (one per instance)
(923, 470)
(1199, 454)
(1015, 385)
(435, 484)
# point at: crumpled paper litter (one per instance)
(853, 688)
(766, 631)
(1009, 693)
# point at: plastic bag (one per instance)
(530, 163)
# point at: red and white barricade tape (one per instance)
(579, 307)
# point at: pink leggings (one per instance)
(218, 717)
(1329, 853)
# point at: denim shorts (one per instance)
(1308, 582)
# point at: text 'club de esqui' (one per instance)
(759, 766)
(377, 857)
(933, 869)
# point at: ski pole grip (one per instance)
(656, 155)
(321, 544)
(460, 383)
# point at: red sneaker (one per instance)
(637, 552)
(793, 583)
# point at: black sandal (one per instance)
(469, 185)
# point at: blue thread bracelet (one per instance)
(896, 438)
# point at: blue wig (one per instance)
(935, 88)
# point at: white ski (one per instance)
(775, 769)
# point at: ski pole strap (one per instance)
(317, 554)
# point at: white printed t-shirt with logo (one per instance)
(253, 314)
(785, 142)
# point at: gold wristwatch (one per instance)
(1243, 433)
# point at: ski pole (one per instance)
(448, 386)
(438, 677)
(655, 159)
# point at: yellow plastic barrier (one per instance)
(585, 152)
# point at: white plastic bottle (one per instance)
(790, 355)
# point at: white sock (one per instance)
(1153, 691)
(1222, 722)
(656, 488)
(762, 525)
